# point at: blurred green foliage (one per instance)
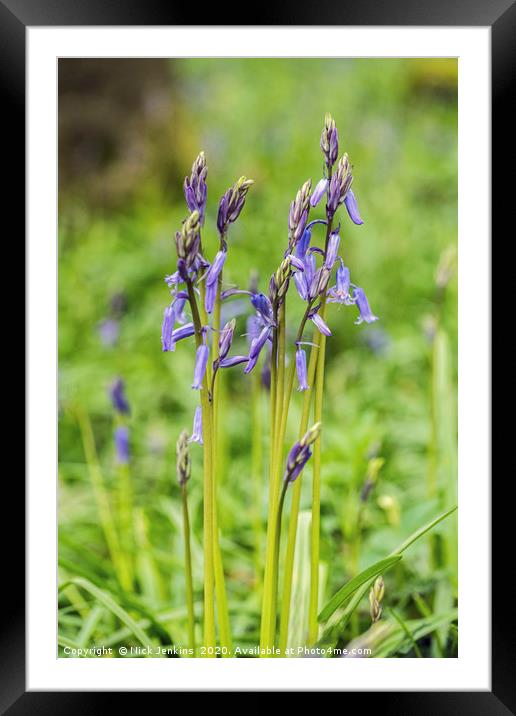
(397, 119)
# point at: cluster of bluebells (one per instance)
(307, 266)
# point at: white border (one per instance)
(471, 670)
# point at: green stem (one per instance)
(188, 573)
(208, 510)
(220, 584)
(125, 517)
(257, 467)
(313, 626)
(271, 525)
(294, 510)
(277, 542)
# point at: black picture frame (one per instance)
(500, 16)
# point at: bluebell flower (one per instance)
(253, 328)
(319, 282)
(298, 214)
(216, 267)
(118, 399)
(173, 279)
(332, 250)
(303, 244)
(303, 280)
(256, 346)
(352, 207)
(340, 292)
(195, 188)
(173, 313)
(319, 191)
(201, 361)
(300, 453)
(330, 141)
(179, 334)
(263, 306)
(232, 204)
(296, 262)
(301, 369)
(366, 315)
(187, 243)
(226, 338)
(196, 436)
(339, 185)
(166, 328)
(109, 330)
(122, 444)
(212, 276)
(318, 321)
(233, 360)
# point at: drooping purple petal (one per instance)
(166, 329)
(319, 282)
(340, 292)
(366, 315)
(210, 296)
(303, 244)
(179, 334)
(352, 207)
(201, 361)
(233, 360)
(297, 263)
(300, 283)
(296, 460)
(319, 191)
(321, 325)
(310, 265)
(332, 250)
(264, 307)
(173, 279)
(122, 444)
(226, 338)
(216, 267)
(258, 343)
(253, 328)
(342, 278)
(196, 436)
(251, 363)
(301, 369)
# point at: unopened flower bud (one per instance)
(376, 594)
(183, 463)
(330, 141)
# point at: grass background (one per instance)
(128, 136)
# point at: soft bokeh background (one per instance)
(129, 131)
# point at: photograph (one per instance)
(257, 334)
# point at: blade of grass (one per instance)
(408, 633)
(350, 587)
(110, 604)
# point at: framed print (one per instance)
(258, 288)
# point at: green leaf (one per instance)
(106, 599)
(300, 597)
(348, 589)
